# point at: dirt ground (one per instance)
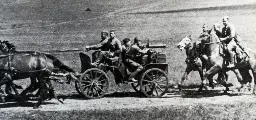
(191, 105)
(131, 100)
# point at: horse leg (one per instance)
(8, 89)
(31, 88)
(20, 100)
(201, 73)
(43, 91)
(254, 76)
(222, 78)
(210, 78)
(10, 84)
(185, 75)
(2, 95)
(247, 78)
(212, 71)
(52, 92)
(239, 78)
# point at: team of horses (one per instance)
(216, 61)
(38, 66)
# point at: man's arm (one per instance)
(232, 34)
(119, 46)
(97, 46)
(137, 48)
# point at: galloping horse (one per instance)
(193, 59)
(29, 64)
(195, 62)
(217, 61)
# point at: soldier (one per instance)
(104, 39)
(228, 36)
(129, 56)
(110, 47)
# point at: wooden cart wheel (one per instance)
(154, 82)
(93, 83)
(136, 86)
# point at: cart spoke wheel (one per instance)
(100, 89)
(154, 82)
(94, 83)
(147, 81)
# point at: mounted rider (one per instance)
(230, 38)
(206, 32)
(110, 47)
(129, 55)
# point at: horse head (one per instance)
(6, 46)
(184, 42)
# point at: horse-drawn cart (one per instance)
(152, 80)
(93, 81)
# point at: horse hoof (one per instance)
(211, 85)
(3, 99)
(199, 91)
(225, 92)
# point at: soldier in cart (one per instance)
(129, 56)
(110, 47)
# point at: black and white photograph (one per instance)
(127, 59)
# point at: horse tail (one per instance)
(59, 64)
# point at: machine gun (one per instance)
(155, 45)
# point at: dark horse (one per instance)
(195, 61)
(37, 66)
(245, 62)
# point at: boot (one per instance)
(131, 77)
(133, 74)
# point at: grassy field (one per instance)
(192, 112)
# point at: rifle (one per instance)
(241, 47)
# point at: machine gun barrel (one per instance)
(155, 45)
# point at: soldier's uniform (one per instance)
(110, 47)
(129, 54)
(229, 35)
